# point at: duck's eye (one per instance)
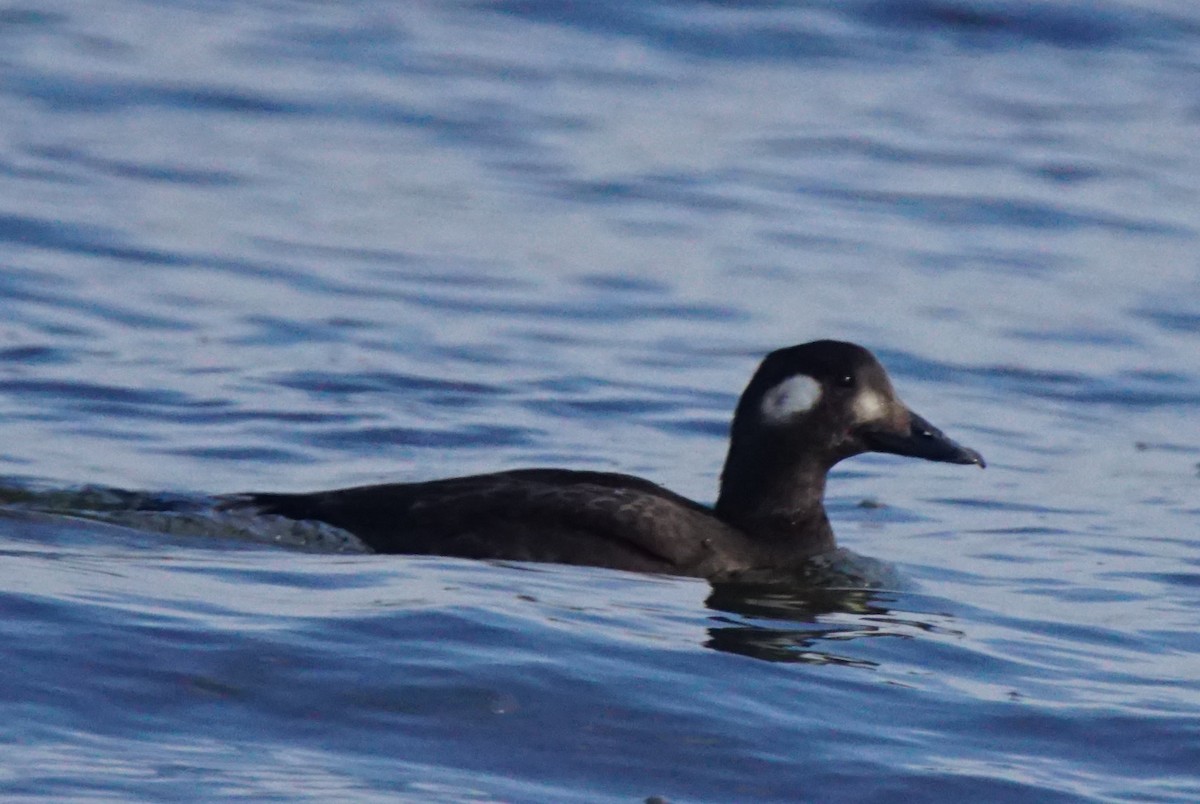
(845, 381)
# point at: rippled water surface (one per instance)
(291, 246)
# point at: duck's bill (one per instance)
(922, 440)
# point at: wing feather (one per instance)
(553, 515)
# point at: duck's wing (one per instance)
(591, 518)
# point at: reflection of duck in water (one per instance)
(785, 619)
(806, 408)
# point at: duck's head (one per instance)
(810, 406)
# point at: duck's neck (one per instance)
(781, 503)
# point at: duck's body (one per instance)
(592, 518)
(806, 408)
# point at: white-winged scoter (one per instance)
(806, 408)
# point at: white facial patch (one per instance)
(793, 396)
(869, 406)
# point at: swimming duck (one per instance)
(806, 408)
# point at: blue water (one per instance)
(291, 246)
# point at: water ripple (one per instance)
(316, 245)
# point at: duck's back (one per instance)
(568, 517)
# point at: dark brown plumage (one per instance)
(806, 408)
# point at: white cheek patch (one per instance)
(793, 396)
(869, 406)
